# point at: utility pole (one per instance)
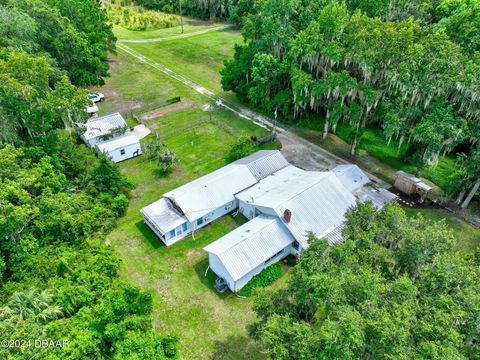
(181, 16)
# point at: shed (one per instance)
(409, 184)
(121, 148)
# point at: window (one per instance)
(172, 233)
(296, 245)
(184, 227)
(122, 151)
(200, 221)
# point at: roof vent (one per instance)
(287, 215)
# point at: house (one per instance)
(121, 148)
(284, 209)
(192, 206)
(284, 205)
(110, 134)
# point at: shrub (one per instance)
(265, 278)
(244, 146)
(120, 205)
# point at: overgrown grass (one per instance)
(138, 18)
(265, 278)
(189, 26)
(374, 143)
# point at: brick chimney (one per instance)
(287, 215)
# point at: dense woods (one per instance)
(393, 289)
(410, 69)
(58, 200)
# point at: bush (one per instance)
(265, 278)
(244, 146)
(120, 205)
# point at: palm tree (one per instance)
(31, 304)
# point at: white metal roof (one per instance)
(118, 143)
(280, 186)
(203, 195)
(163, 215)
(103, 125)
(317, 200)
(318, 209)
(380, 197)
(351, 176)
(250, 245)
(263, 163)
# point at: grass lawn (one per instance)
(207, 324)
(198, 57)
(468, 237)
(189, 26)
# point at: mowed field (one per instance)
(208, 325)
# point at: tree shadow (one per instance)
(237, 347)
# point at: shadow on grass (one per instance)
(237, 347)
(149, 235)
(209, 280)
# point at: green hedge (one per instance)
(265, 278)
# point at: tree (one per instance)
(164, 158)
(31, 304)
(392, 289)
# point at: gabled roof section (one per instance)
(103, 125)
(319, 209)
(351, 176)
(163, 215)
(280, 186)
(118, 143)
(250, 245)
(263, 163)
(208, 193)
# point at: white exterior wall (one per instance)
(217, 267)
(248, 210)
(130, 150)
(240, 283)
(169, 239)
(215, 214)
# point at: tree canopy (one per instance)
(409, 68)
(393, 289)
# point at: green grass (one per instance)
(468, 237)
(207, 324)
(198, 57)
(125, 34)
(134, 85)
